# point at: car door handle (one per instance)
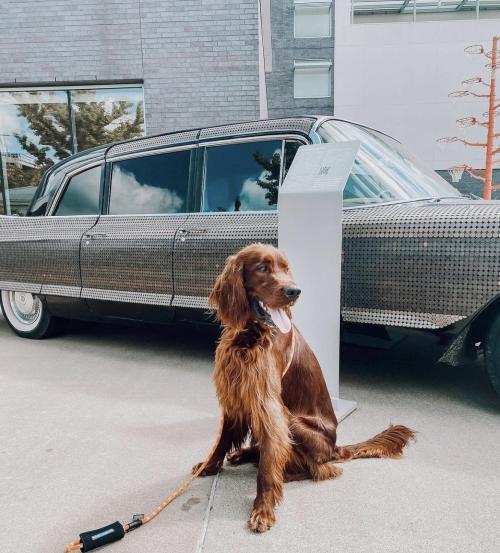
(192, 232)
(96, 235)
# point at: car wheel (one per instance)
(492, 353)
(27, 315)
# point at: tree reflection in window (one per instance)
(242, 177)
(39, 128)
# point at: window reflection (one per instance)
(35, 134)
(242, 177)
(82, 194)
(383, 171)
(39, 128)
(150, 184)
(106, 115)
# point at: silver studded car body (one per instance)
(424, 264)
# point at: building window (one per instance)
(312, 18)
(40, 127)
(312, 79)
(382, 11)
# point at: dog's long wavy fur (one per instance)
(289, 420)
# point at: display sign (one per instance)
(310, 234)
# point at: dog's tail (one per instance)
(389, 443)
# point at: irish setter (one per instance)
(271, 388)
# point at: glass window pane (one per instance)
(312, 21)
(242, 177)
(34, 134)
(151, 184)
(82, 194)
(312, 82)
(106, 115)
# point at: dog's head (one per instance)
(255, 282)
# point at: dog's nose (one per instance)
(291, 293)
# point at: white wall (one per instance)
(396, 77)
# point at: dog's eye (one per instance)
(263, 269)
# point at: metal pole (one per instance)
(4, 183)
(491, 125)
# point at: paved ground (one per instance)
(105, 421)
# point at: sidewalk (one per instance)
(106, 421)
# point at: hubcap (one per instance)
(25, 310)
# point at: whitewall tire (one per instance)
(27, 315)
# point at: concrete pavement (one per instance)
(106, 421)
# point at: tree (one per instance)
(491, 150)
(94, 125)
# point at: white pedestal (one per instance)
(310, 234)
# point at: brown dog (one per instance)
(271, 388)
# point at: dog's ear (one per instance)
(229, 298)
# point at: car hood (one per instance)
(442, 217)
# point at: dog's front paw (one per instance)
(262, 519)
(209, 470)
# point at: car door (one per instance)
(237, 204)
(126, 259)
(42, 254)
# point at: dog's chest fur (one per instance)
(246, 374)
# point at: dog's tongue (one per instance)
(280, 319)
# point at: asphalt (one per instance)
(105, 421)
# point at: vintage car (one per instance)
(139, 230)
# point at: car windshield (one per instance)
(383, 171)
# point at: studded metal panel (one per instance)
(38, 251)
(20, 286)
(127, 297)
(152, 142)
(420, 265)
(201, 250)
(195, 302)
(298, 124)
(129, 258)
(71, 291)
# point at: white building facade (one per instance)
(397, 61)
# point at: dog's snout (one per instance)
(292, 292)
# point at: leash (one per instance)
(116, 531)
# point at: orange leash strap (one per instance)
(113, 532)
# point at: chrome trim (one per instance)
(252, 138)
(20, 287)
(127, 296)
(152, 152)
(56, 290)
(194, 302)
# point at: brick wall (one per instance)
(198, 58)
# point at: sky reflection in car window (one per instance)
(151, 184)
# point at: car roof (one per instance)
(302, 124)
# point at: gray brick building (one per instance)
(148, 66)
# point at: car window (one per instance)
(151, 185)
(242, 177)
(82, 194)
